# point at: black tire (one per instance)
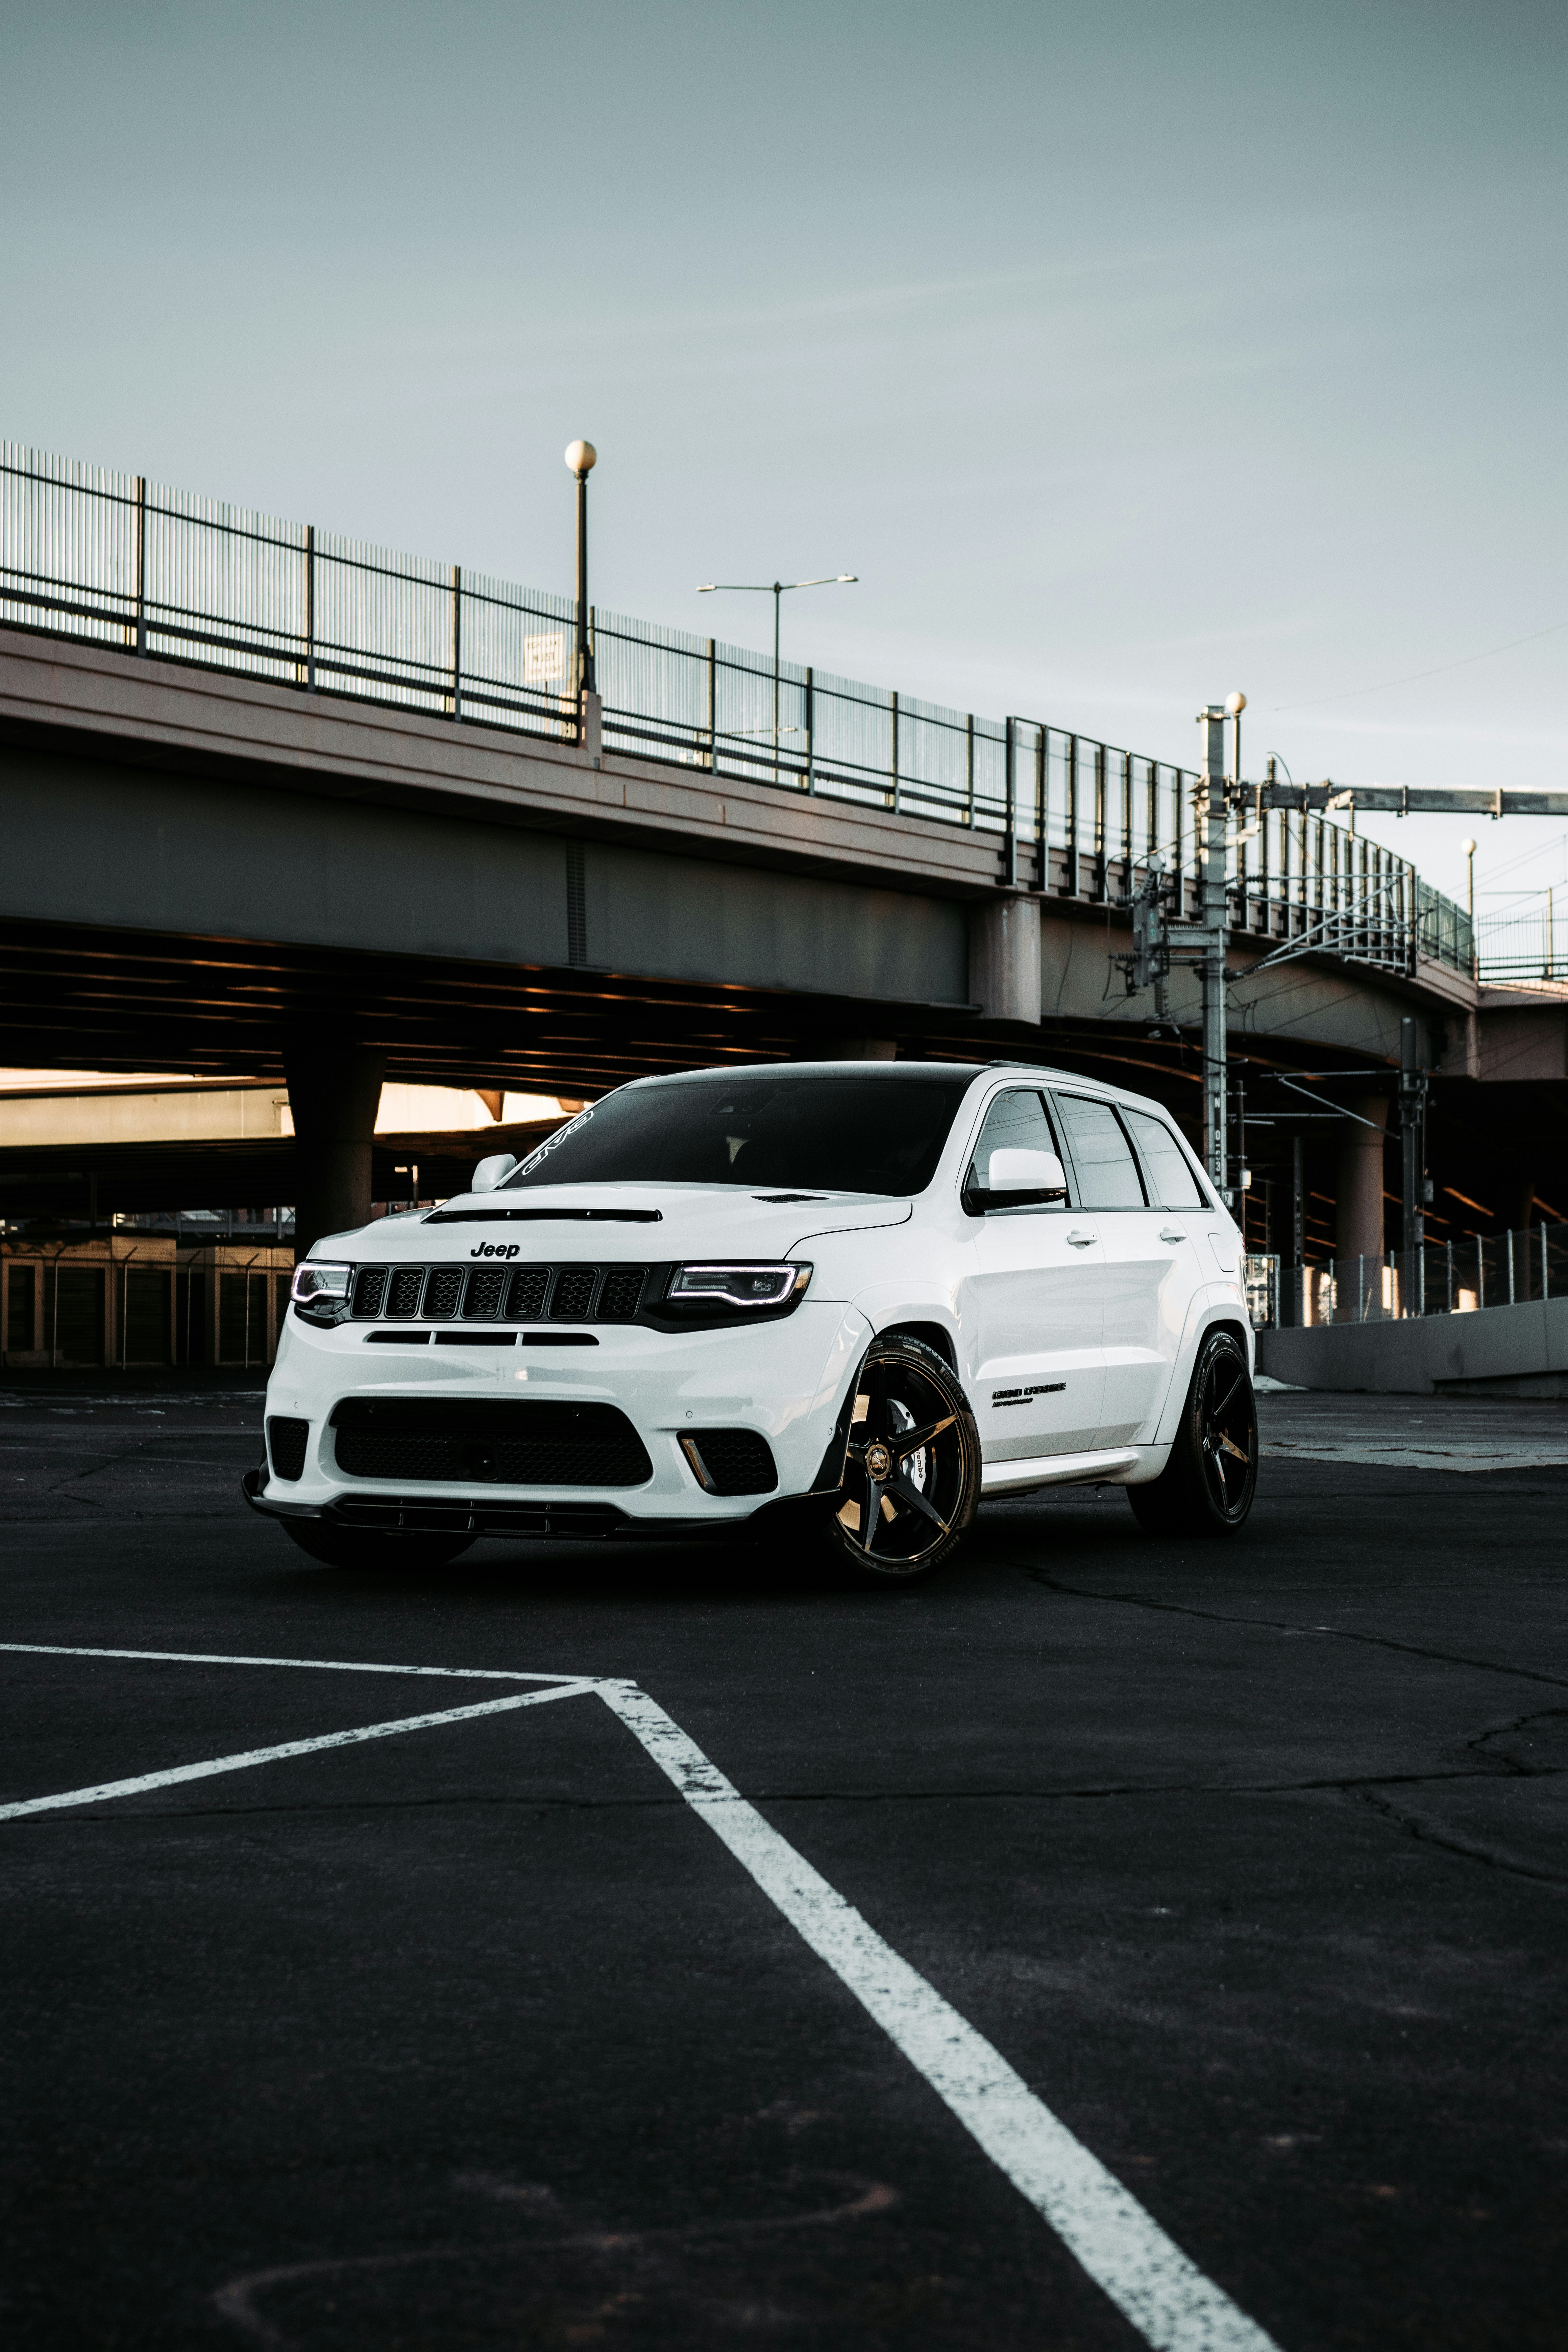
(906, 1507)
(360, 1548)
(1207, 1486)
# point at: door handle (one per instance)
(1168, 1233)
(1082, 1241)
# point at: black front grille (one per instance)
(536, 1443)
(443, 1289)
(369, 1286)
(486, 1293)
(574, 1288)
(530, 1290)
(620, 1296)
(738, 1461)
(286, 1446)
(492, 1294)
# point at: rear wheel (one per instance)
(359, 1548)
(1207, 1486)
(912, 1472)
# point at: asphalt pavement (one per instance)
(1247, 1858)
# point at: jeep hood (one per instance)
(595, 1222)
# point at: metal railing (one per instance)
(1444, 1278)
(115, 560)
(1525, 943)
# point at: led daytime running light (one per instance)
(747, 1284)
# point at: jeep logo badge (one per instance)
(496, 1249)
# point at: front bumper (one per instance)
(406, 1513)
(788, 1381)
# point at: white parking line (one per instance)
(1167, 2298)
(1173, 2307)
(242, 1762)
(321, 1665)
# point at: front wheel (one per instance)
(359, 1548)
(911, 1470)
(1207, 1486)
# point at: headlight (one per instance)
(317, 1282)
(747, 1285)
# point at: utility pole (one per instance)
(1412, 1134)
(1161, 937)
(1214, 924)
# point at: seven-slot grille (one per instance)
(497, 1294)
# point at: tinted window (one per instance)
(1106, 1171)
(1018, 1117)
(1166, 1168)
(854, 1134)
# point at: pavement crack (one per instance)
(1488, 1856)
(1284, 1625)
(237, 2300)
(1510, 1768)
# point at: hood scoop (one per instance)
(545, 1216)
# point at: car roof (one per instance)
(738, 1074)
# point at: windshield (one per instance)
(859, 1133)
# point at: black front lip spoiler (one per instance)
(394, 1515)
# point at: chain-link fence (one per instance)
(1444, 1278)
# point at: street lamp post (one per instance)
(581, 460)
(777, 589)
(1469, 849)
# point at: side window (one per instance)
(1106, 1171)
(1166, 1171)
(1019, 1117)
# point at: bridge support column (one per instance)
(335, 1092)
(1359, 1225)
(1005, 957)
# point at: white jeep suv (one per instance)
(858, 1296)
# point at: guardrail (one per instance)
(1524, 944)
(115, 560)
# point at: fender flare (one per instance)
(1216, 1308)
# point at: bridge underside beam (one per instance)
(86, 997)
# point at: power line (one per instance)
(1412, 676)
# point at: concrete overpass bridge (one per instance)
(277, 804)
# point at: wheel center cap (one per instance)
(878, 1461)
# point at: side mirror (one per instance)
(1016, 1167)
(492, 1172)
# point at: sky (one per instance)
(1127, 355)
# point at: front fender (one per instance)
(890, 1305)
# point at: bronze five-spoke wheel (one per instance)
(1207, 1487)
(911, 1469)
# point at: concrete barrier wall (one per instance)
(1509, 1351)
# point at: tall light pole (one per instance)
(777, 589)
(1469, 849)
(581, 460)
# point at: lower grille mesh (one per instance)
(738, 1461)
(285, 1446)
(543, 1443)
